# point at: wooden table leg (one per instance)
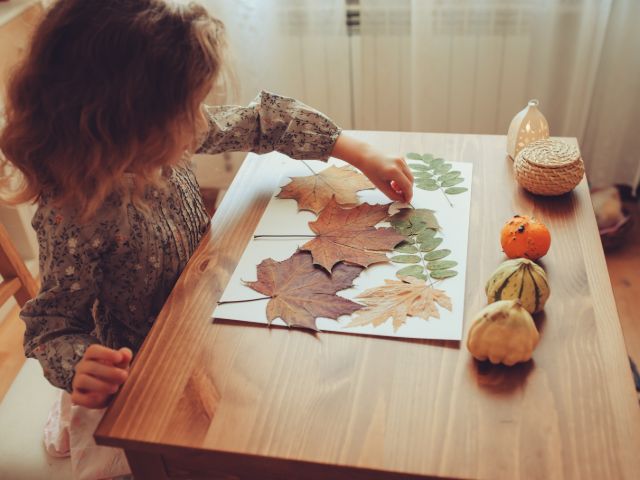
(146, 465)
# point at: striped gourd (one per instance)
(519, 279)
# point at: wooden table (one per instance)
(228, 400)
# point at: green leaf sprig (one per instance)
(433, 174)
(420, 249)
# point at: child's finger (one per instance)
(104, 372)
(407, 171)
(390, 192)
(102, 354)
(127, 355)
(88, 400)
(93, 384)
(406, 186)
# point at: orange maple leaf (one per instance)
(314, 192)
(350, 235)
(400, 299)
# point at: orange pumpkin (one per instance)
(524, 237)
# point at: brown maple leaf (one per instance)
(350, 235)
(400, 299)
(300, 292)
(314, 192)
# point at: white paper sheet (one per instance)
(282, 217)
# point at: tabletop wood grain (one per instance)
(228, 400)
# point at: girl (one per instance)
(101, 118)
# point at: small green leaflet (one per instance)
(455, 190)
(410, 270)
(430, 187)
(441, 265)
(406, 247)
(417, 167)
(449, 176)
(451, 182)
(425, 236)
(406, 259)
(430, 244)
(442, 274)
(415, 271)
(436, 255)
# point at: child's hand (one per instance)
(99, 375)
(390, 174)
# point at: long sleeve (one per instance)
(59, 321)
(269, 123)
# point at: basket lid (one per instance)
(550, 153)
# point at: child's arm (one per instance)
(59, 320)
(390, 174)
(272, 122)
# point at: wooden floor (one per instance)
(624, 265)
(624, 270)
(11, 353)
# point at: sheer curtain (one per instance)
(297, 48)
(470, 65)
(453, 66)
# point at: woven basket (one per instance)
(549, 167)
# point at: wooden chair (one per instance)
(17, 281)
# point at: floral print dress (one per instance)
(105, 281)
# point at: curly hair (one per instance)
(106, 88)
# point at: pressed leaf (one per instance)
(426, 179)
(414, 156)
(423, 177)
(426, 235)
(418, 167)
(436, 254)
(442, 169)
(451, 182)
(350, 235)
(427, 186)
(406, 247)
(411, 221)
(301, 292)
(405, 259)
(455, 190)
(442, 265)
(427, 157)
(411, 270)
(430, 244)
(442, 274)
(437, 162)
(449, 176)
(400, 299)
(314, 192)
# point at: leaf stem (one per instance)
(243, 301)
(446, 197)
(307, 165)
